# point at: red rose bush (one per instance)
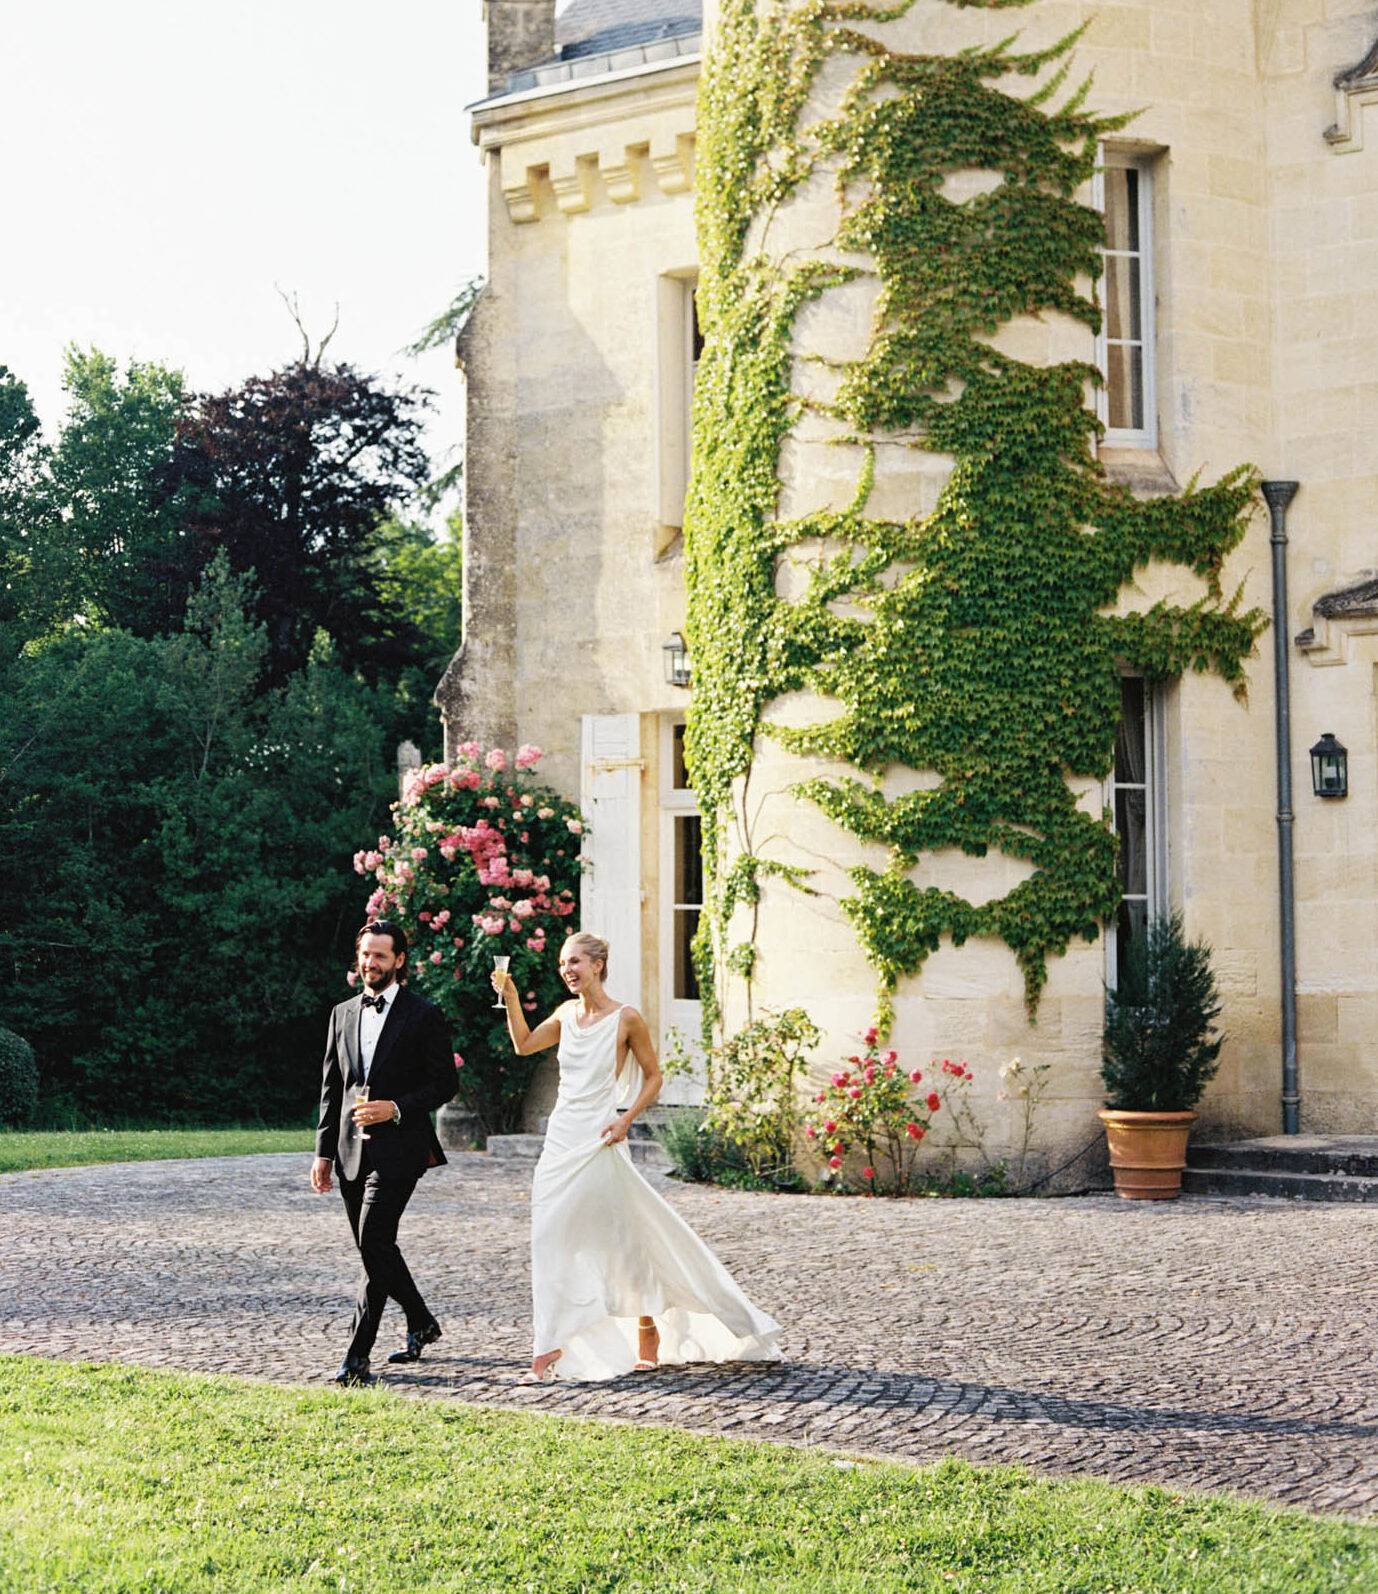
(876, 1113)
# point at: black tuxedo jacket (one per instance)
(413, 1065)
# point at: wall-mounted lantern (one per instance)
(679, 669)
(1330, 767)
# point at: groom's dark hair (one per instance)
(395, 933)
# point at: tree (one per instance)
(174, 861)
(128, 488)
(33, 575)
(304, 466)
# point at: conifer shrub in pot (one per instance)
(1158, 1053)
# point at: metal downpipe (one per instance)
(1278, 495)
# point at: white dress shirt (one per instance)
(371, 1023)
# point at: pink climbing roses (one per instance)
(481, 861)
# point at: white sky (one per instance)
(169, 163)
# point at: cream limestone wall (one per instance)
(1267, 308)
(572, 580)
(565, 557)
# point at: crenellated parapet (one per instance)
(570, 146)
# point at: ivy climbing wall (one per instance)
(905, 566)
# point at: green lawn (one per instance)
(119, 1481)
(65, 1148)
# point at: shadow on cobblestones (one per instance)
(1212, 1344)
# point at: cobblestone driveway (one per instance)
(1222, 1344)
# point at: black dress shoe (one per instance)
(416, 1343)
(354, 1373)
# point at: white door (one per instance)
(610, 796)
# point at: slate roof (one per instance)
(597, 27)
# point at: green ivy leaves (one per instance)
(975, 642)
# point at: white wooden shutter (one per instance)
(610, 795)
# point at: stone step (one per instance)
(1354, 1156)
(646, 1152)
(1291, 1186)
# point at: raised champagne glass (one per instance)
(500, 967)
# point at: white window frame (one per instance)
(1146, 436)
(676, 369)
(1156, 896)
(676, 804)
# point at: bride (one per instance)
(620, 1283)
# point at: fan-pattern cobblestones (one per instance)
(1203, 1344)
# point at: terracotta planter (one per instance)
(1148, 1151)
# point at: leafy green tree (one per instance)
(175, 850)
(33, 574)
(128, 486)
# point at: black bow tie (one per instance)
(380, 1002)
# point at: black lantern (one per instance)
(679, 669)
(1330, 767)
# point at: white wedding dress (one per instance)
(606, 1249)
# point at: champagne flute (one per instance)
(361, 1099)
(500, 967)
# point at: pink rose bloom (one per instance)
(934, 1101)
(868, 1173)
(523, 909)
(915, 1075)
(839, 1080)
(423, 917)
(489, 802)
(889, 1057)
(870, 1076)
(545, 813)
(576, 827)
(829, 1126)
(527, 755)
(821, 1096)
(495, 759)
(471, 780)
(376, 903)
(436, 957)
(442, 918)
(535, 945)
(459, 940)
(871, 1036)
(834, 1162)
(418, 853)
(490, 925)
(459, 1061)
(468, 749)
(353, 976)
(811, 1132)
(359, 864)
(855, 1093)
(515, 926)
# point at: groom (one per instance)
(396, 1044)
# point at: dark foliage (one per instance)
(18, 1080)
(303, 467)
(1159, 1051)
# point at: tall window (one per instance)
(679, 342)
(682, 878)
(1127, 403)
(1138, 808)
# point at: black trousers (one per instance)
(375, 1207)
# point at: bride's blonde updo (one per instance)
(594, 945)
